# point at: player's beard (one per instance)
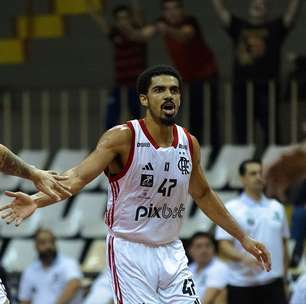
(166, 121)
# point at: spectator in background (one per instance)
(299, 292)
(52, 278)
(257, 45)
(101, 290)
(266, 220)
(194, 60)
(130, 57)
(208, 272)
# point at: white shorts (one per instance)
(149, 275)
(3, 297)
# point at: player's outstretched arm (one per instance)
(213, 207)
(47, 182)
(112, 144)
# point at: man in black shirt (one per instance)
(257, 45)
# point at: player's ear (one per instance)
(143, 99)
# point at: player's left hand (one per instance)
(51, 183)
(259, 251)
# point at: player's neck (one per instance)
(162, 134)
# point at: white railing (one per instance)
(68, 117)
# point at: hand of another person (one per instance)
(19, 209)
(50, 183)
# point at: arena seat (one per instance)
(50, 216)
(39, 159)
(197, 222)
(71, 248)
(18, 255)
(66, 159)
(95, 259)
(27, 228)
(8, 182)
(11, 51)
(205, 153)
(104, 182)
(272, 153)
(91, 206)
(68, 226)
(226, 163)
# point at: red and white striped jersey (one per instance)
(146, 201)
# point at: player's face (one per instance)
(45, 245)
(173, 12)
(163, 99)
(202, 250)
(253, 178)
(258, 9)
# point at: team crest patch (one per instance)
(183, 165)
(146, 180)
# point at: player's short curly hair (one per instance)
(144, 79)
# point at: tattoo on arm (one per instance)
(13, 165)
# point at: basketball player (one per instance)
(44, 181)
(152, 164)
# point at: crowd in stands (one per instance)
(257, 42)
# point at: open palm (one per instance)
(19, 209)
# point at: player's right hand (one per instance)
(19, 209)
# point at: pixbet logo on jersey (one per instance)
(159, 212)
